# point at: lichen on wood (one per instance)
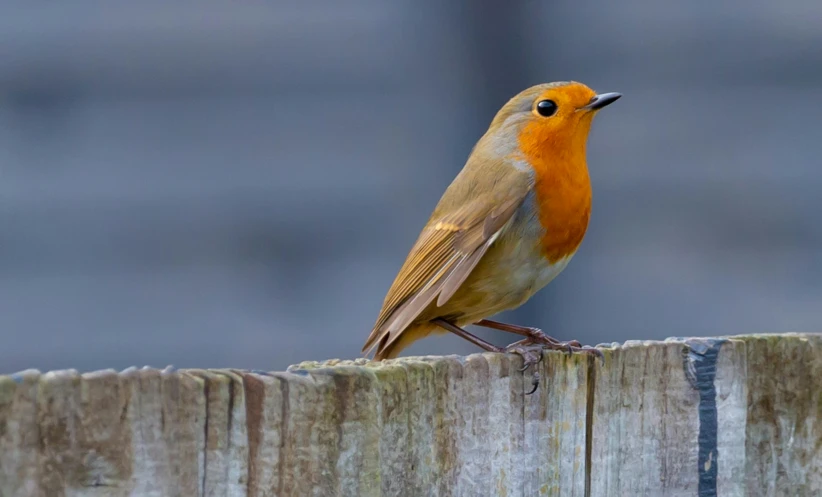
(724, 416)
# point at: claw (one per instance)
(572, 345)
(531, 356)
(529, 364)
(534, 383)
(531, 351)
(536, 336)
(594, 351)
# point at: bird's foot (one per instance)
(537, 336)
(531, 351)
(531, 356)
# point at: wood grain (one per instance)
(727, 416)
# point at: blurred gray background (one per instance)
(209, 185)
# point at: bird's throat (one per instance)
(563, 190)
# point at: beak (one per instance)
(601, 100)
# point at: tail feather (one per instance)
(389, 349)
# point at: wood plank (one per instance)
(727, 416)
(784, 418)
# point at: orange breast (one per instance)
(562, 187)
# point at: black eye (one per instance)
(547, 108)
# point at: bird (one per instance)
(507, 225)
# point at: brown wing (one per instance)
(444, 255)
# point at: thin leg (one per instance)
(531, 353)
(537, 336)
(479, 342)
(525, 331)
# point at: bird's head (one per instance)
(547, 120)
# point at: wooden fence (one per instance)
(726, 416)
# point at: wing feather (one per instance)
(445, 254)
(491, 228)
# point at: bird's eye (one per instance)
(547, 108)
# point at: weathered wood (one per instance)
(784, 418)
(725, 416)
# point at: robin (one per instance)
(507, 225)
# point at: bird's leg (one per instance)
(537, 336)
(534, 333)
(531, 353)
(479, 342)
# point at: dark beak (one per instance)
(601, 100)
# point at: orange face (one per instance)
(559, 123)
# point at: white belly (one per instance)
(512, 279)
(532, 276)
